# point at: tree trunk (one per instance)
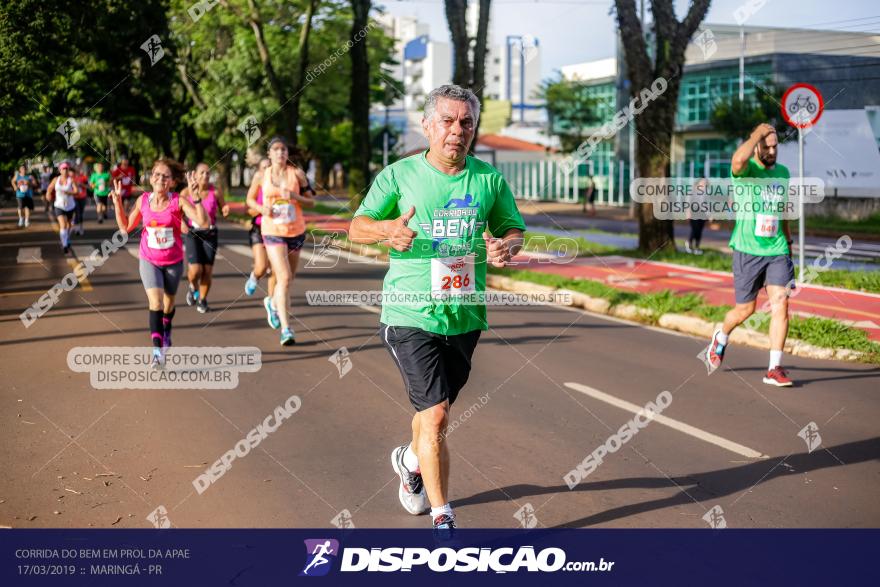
(302, 66)
(184, 147)
(359, 171)
(480, 52)
(656, 124)
(654, 234)
(224, 172)
(456, 16)
(198, 145)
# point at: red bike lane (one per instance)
(858, 309)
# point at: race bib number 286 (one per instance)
(453, 276)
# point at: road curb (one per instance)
(679, 322)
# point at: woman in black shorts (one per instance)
(261, 261)
(201, 241)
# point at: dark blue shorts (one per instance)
(752, 272)
(294, 243)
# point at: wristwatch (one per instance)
(198, 201)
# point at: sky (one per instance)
(574, 31)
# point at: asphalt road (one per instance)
(556, 385)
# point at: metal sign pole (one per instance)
(801, 219)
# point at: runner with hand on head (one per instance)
(761, 243)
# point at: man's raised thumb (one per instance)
(405, 218)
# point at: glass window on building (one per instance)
(605, 96)
(700, 91)
(700, 152)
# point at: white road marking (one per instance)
(674, 424)
(82, 251)
(309, 256)
(241, 250)
(29, 255)
(696, 276)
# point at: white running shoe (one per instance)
(412, 494)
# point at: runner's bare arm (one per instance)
(306, 201)
(255, 209)
(740, 160)
(195, 212)
(221, 203)
(125, 225)
(50, 191)
(365, 230)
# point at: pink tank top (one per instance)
(209, 203)
(161, 243)
(258, 219)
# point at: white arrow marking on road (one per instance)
(30, 255)
(674, 424)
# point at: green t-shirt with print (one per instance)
(100, 183)
(757, 203)
(451, 213)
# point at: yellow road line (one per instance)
(83, 281)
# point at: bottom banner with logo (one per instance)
(470, 557)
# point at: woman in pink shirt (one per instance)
(161, 247)
(201, 240)
(261, 261)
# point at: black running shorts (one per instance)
(255, 237)
(201, 246)
(434, 367)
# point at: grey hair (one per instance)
(452, 92)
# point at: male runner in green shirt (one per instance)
(437, 210)
(761, 242)
(100, 182)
